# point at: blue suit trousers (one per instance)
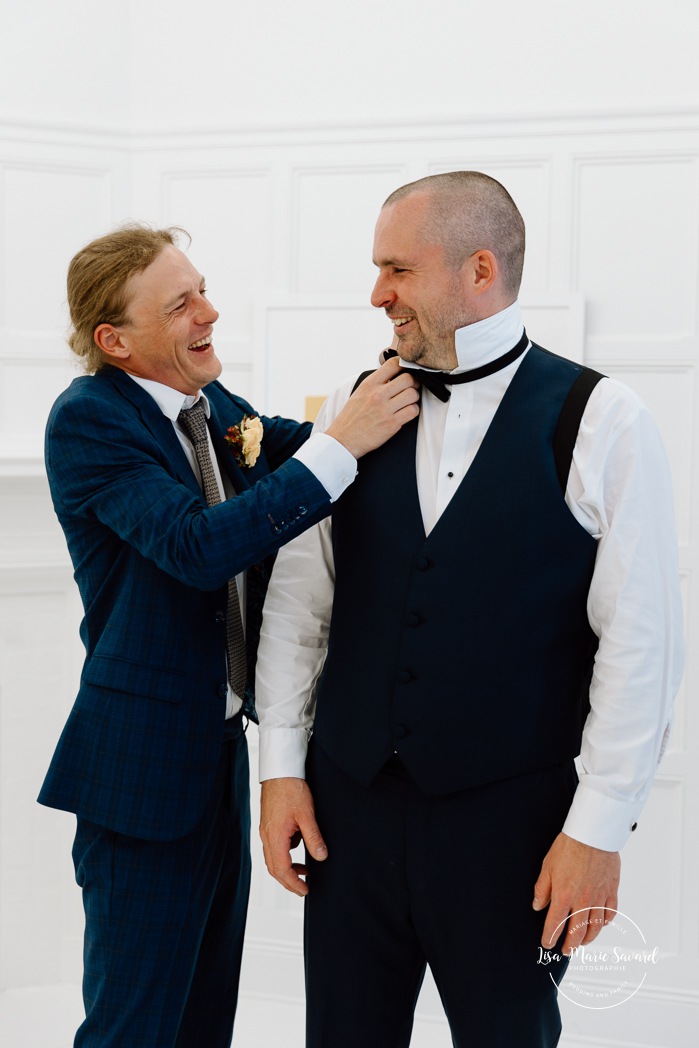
(165, 923)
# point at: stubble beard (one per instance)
(438, 351)
(433, 353)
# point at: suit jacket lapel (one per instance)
(218, 427)
(256, 575)
(159, 426)
(164, 434)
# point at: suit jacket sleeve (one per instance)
(113, 470)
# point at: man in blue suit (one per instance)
(153, 757)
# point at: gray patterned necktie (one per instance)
(194, 422)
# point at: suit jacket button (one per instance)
(404, 676)
(400, 731)
(413, 619)
(423, 563)
(222, 691)
(302, 511)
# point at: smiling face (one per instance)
(426, 299)
(167, 336)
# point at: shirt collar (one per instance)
(480, 343)
(169, 400)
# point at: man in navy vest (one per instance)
(497, 594)
(153, 757)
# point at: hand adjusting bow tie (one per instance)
(437, 381)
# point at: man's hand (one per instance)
(377, 409)
(576, 877)
(286, 816)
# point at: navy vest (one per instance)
(468, 651)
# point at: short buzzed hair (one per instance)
(97, 282)
(468, 211)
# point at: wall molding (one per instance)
(18, 462)
(491, 125)
(30, 578)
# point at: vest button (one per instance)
(423, 563)
(404, 676)
(400, 731)
(222, 691)
(413, 619)
(220, 616)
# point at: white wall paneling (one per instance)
(635, 252)
(28, 387)
(282, 227)
(334, 213)
(53, 199)
(49, 207)
(38, 665)
(556, 322)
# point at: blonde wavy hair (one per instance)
(98, 279)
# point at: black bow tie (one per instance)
(437, 381)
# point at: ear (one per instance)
(109, 341)
(484, 271)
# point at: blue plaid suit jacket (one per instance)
(140, 747)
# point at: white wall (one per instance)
(65, 62)
(274, 137)
(151, 65)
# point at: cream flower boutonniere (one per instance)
(245, 440)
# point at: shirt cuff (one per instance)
(601, 821)
(283, 753)
(330, 462)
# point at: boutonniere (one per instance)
(245, 440)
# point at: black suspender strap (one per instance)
(566, 432)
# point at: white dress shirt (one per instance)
(329, 461)
(618, 490)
